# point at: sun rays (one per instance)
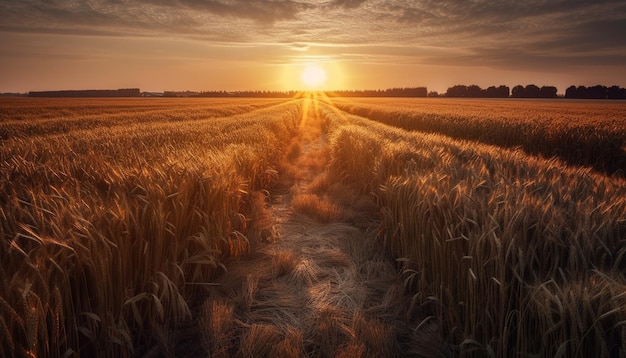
(313, 76)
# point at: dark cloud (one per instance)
(347, 4)
(265, 11)
(519, 34)
(29, 13)
(454, 18)
(175, 15)
(483, 11)
(506, 16)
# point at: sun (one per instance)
(313, 76)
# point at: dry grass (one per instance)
(312, 205)
(259, 217)
(260, 341)
(285, 262)
(217, 321)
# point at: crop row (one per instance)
(580, 133)
(21, 118)
(504, 253)
(108, 233)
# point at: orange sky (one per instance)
(160, 45)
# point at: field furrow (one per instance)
(45, 117)
(578, 132)
(319, 283)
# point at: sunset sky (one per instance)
(159, 45)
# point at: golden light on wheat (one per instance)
(117, 215)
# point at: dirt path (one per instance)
(318, 286)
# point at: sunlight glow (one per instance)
(313, 76)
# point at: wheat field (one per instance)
(589, 133)
(116, 212)
(507, 253)
(312, 227)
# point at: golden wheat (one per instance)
(481, 232)
(116, 217)
(115, 214)
(582, 133)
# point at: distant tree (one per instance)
(390, 92)
(123, 92)
(503, 91)
(433, 94)
(414, 92)
(547, 92)
(497, 92)
(518, 92)
(613, 92)
(457, 91)
(597, 92)
(474, 91)
(571, 92)
(491, 92)
(532, 91)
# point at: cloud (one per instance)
(347, 4)
(174, 17)
(268, 11)
(299, 46)
(510, 18)
(501, 33)
(453, 22)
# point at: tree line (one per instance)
(475, 91)
(389, 92)
(256, 94)
(534, 91)
(596, 92)
(123, 92)
(461, 91)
